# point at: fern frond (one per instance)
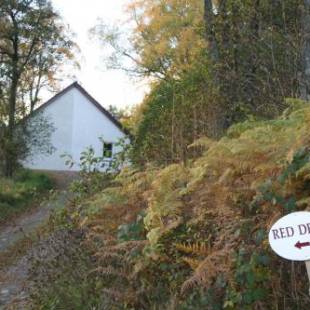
(201, 249)
(105, 257)
(193, 263)
(208, 269)
(128, 245)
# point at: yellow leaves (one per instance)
(153, 235)
(164, 196)
(200, 248)
(228, 173)
(207, 270)
(168, 34)
(83, 223)
(209, 197)
(304, 173)
(192, 262)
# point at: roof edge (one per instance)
(76, 85)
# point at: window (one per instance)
(107, 149)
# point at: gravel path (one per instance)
(12, 280)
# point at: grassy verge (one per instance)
(17, 194)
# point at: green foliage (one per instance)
(39, 181)
(173, 116)
(34, 46)
(210, 68)
(251, 274)
(17, 194)
(132, 231)
(203, 240)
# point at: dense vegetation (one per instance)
(19, 194)
(189, 236)
(210, 64)
(218, 154)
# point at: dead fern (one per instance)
(208, 270)
(200, 249)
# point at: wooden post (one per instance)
(308, 271)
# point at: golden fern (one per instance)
(206, 272)
(192, 262)
(198, 248)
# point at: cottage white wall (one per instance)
(89, 124)
(79, 124)
(59, 113)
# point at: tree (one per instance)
(211, 64)
(305, 72)
(258, 54)
(33, 42)
(167, 37)
(119, 113)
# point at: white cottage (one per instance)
(79, 121)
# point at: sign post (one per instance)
(308, 271)
(289, 237)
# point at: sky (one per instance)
(108, 87)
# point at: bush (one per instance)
(31, 179)
(60, 273)
(205, 225)
(17, 194)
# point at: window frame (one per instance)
(107, 147)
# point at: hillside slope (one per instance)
(195, 236)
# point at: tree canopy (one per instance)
(211, 64)
(34, 44)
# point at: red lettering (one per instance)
(302, 229)
(276, 234)
(289, 231)
(282, 231)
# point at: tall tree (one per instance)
(258, 48)
(214, 62)
(305, 73)
(32, 42)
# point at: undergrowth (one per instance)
(195, 236)
(18, 194)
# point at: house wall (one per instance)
(59, 113)
(79, 124)
(89, 124)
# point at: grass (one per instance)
(17, 195)
(11, 255)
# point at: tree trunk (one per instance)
(210, 32)
(10, 158)
(305, 53)
(219, 112)
(10, 148)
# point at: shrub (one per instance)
(17, 195)
(205, 224)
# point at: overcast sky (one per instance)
(108, 87)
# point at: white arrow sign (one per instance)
(289, 237)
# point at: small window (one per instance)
(107, 149)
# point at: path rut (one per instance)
(12, 280)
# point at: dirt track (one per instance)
(12, 279)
